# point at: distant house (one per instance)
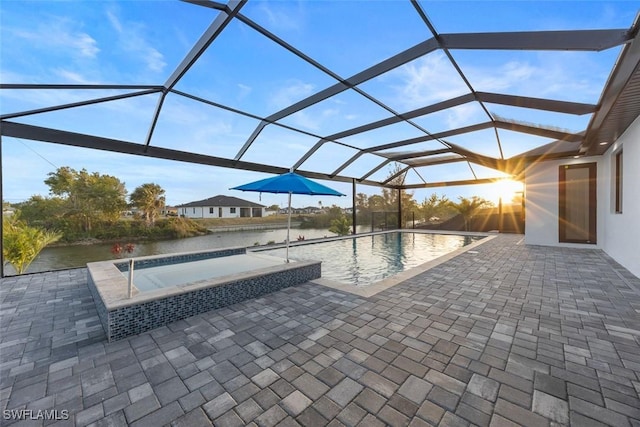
(221, 207)
(302, 211)
(169, 211)
(313, 210)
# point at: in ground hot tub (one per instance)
(174, 287)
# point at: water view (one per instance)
(54, 258)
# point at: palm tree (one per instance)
(149, 198)
(21, 244)
(469, 207)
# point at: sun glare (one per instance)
(506, 190)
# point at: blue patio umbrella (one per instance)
(289, 183)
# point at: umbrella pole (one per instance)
(288, 226)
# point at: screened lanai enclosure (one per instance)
(380, 88)
(336, 91)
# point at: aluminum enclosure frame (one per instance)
(603, 125)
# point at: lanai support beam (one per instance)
(211, 33)
(399, 209)
(56, 136)
(353, 205)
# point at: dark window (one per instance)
(618, 182)
(210, 210)
(232, 210)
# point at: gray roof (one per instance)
(222, 201)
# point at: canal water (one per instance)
(61, 257)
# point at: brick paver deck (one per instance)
(508, 335)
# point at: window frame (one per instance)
(617, 178)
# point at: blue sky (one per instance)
(141, 42)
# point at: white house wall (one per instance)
(617, 234)
(542, 203)
(622, 237)
(205, 212)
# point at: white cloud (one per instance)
(154, 59)
(244, 90)
(132, 40)
(281, 19)
(313, 117)
(297, 147)
(20, 100)
(294, 92)
(291, 94)
(305, 120)
(509, 75)
(72, 77)
(427, 80)
(556, 75)
(60, 34)
(114, 21)
(330, 112)
(313, 121)
(463, 115)
(205, 133)
(575, 76)
(86, 45)
(570, 75)
(182, 112)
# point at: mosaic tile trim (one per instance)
(178, 259)
(135, 319)
(100, 307)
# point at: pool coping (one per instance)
(113, 289)
(389, 282)
(122, 316)
(293, 243)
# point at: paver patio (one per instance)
(505, 335)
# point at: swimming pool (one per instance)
(365, 260)
(168, 288)
(181, 273)
(173, 287)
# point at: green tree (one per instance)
(363, 209)
(341, 225)
(390, 195)
(396, 176)
(21, 243)
(89, 197)
(335, 212)
(362, 204)
(43, 211)
(376, 203)
(149, 198)
(434, 206)
(468, 208)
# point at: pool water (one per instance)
(368, 259)
(175, 274)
